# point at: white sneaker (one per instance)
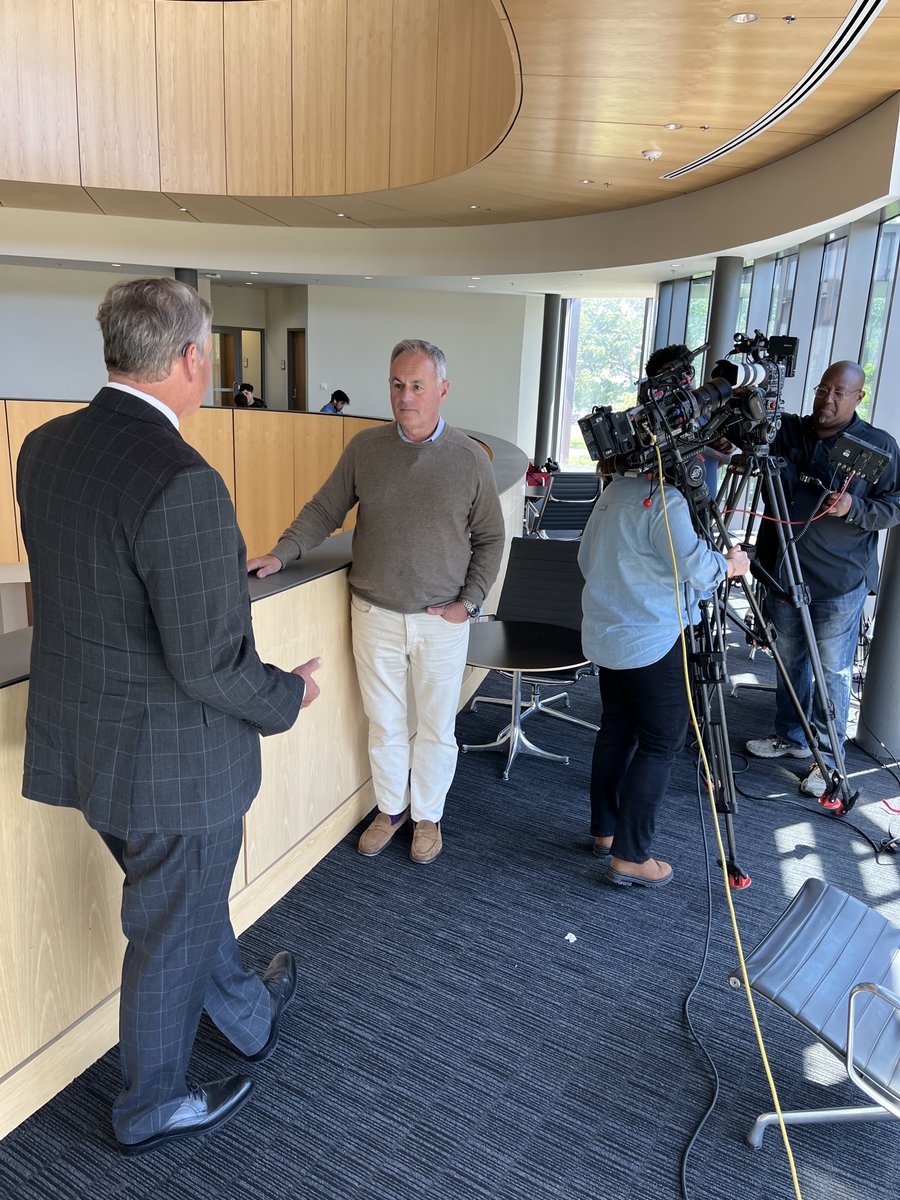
(774, 746)
(813, 783)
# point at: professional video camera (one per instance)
(741, 402)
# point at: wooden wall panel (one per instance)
(319, 63)
(414, 54)
(263, 476)
(9, 524)
(115, 65)
(60, 894)
(258, 97)
(451, 126)
(323, 759)
(38, 112)
(190, 78)
(369, 25)
(22, 416)
(211, 431)
(493, 91)
(318, 444)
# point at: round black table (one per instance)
(523, 648)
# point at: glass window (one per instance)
(698, 318)
(608, 362)
(880, 297)
(782, 295)
(744, 307)
(826, 315)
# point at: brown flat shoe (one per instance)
(427, 842)
(650, 874)
(379, 832)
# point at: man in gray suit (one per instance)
(147, 698)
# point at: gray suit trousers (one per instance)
(182, 957)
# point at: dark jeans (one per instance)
(643, 726)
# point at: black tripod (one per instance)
(765, 470)
(707, 642)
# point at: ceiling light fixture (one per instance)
(471, 285)
(182, 210)
(586, 181)
(248, 283)
(473, 206)
(744, 18)
(368, 276)
(673, 125)
(115, 264)
(474, 276)
(254, 272)
(651, 155)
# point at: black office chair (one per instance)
(568, 503)
(833, 964)
(535, 639)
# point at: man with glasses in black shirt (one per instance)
(838, 555)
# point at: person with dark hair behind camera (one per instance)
(838, 556)
(246, 399)
(631, 631)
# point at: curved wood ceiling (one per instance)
(598, 82)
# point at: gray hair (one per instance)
(147, 323)
(415, 346)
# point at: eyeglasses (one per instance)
(838, 393)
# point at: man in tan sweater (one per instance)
(426, 549)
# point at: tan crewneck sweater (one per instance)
(429, 528)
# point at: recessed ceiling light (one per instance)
(254, 272)
(340, 215)
(213, 275)
(115, 264)
(652, 155)
(182, 210)
(470, 285)
(746, 18)
(673, 125)
(368, 276)
(473, 206)
(586, 181)
(474, 276)
(676, 265)
(249, 283)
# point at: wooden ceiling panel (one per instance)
(47, 196)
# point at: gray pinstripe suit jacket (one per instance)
(147, 696)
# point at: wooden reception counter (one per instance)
(60, 941)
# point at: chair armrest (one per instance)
(889, 1099)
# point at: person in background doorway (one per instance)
(246, 399)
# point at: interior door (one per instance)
(297, 368)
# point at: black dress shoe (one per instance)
(281, 981)
(204, 1108)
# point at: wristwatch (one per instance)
(473, 609)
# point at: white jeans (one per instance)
(392, 651)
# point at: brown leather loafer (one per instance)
(427, 842)
(379, 832)
(654, 873)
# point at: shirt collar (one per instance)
(434, 437)
(151, 400)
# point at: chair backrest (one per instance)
(569, 501)
(543, 583)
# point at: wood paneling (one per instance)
(37, 93)
(190, 78)
(413, 90)
(9, 525)
(60, 894)
(319, 84)
(303, 784)
(451, 125)
(493, 88)
(318, 444)
(263, 476)
(258, 97)
(211, 431)
(115, 65)
(368, 144)
(22, 416)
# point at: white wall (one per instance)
(52, 349)
(239, 307)
(351, 332)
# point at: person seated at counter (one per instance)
(246, 399)
(336, 405)
(147, 699)
(427, 547)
